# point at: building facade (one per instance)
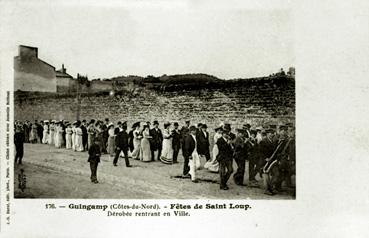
(64, 82)
(31, 73)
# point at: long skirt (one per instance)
(68, 144)
(74, 141)
(90, 140)
(145, 154)
(52, 138)
(45, 137)
(167, 152)
(111, 145)
(56, 140)
(194, 164)
(79, 144)
(213, 165)
(137, 148)
(33, 136)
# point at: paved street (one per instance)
(61, 173)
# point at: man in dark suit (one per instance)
(203, 143)
(240, 156)
(189, 145)
(156, 141)
(252, 148)
(185, 130)
(40, 127)
(94, 159)
(225, 157)
(121, 145)
(84, 134)
(176, 142)
(18, 142)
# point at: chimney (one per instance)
(28, 51)
(64, 70)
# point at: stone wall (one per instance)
(256, 103)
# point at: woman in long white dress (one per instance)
(56, 135)
(45, 133)
(78, 138)
(52, 133)
(33, 137)
(136, 142)
(68, 136)
(167, 152)
(213, 165)
(74, 136)
(145, 154)
(111, 140)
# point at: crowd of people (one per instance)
(269, 151)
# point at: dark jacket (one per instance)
(266, 148)
(188, 146)
(19, 139)
(225, 150)
(202, 142)
(240, 149)
(121, 140)
(176, 142)
(84, 133)
(156, 140)
(94, 153)
(185, 131)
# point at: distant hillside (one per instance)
(195, 81)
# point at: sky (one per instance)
(107, 40)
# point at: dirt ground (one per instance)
(61, 173)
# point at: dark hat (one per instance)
(167, 123)
(282, 127)
(187, 121)
(240, 130)
(148, 122)
(199, 125)
(175, 124)
(106, 119)
(227, 127)
(248, 126)
(253, 132)
(204, 126)
(192, 128)
(124, 123)
(83, 120)
(156, 123)
(269, 130)
(116, 130)
(218, 128)
(119, 123)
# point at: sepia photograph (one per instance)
(122, 102)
